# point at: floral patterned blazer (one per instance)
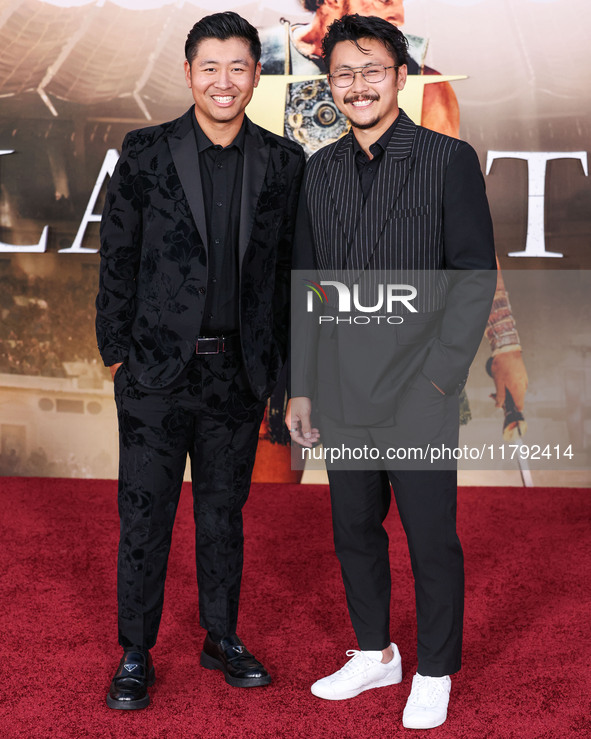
(153, 272)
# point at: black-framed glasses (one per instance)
(373, 73)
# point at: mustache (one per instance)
(368, 96)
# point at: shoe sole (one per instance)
(133, 705)
(128, 705)
(211, 663)
(423, 726)
(352, 693)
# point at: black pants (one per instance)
(210, 413)
(426, 497)
(426, 504)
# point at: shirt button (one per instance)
(216, 241)
(211, 315)
(219, 203)
(370, 170)
(214, 280)
(202, 290)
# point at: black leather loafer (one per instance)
(240, 668)
(129, 686)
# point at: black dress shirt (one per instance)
(221, 180)
(367, 167)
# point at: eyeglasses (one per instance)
(372, 74)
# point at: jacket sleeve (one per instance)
(120, 236)
(284, 259)
(470, 260)
(303, 344)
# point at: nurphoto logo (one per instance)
(348, 300)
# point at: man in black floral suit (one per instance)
(192, 317)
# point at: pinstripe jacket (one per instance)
(427, 219)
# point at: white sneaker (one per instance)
(426, 707)
(365, 670)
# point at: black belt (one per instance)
(217, 344)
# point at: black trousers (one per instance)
(426, 504)
(426, 499)
(208, 412)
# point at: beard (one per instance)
(365, 124)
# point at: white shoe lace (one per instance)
(357, 663)
(427, 691)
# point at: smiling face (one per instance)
(222, 78)
(367, 105)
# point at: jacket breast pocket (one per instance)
(418, 210)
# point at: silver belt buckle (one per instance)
(212, 338)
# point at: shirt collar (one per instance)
(379, 146)
(204, 143)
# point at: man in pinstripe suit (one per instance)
(393, 196)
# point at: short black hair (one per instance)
(354, 27)
(222, 26)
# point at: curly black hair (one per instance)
(354, 27)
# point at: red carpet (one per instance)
(526, 658)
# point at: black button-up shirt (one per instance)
(221, 181)
(367, 167)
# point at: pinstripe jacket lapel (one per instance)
(347, 198)
(391, 177)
